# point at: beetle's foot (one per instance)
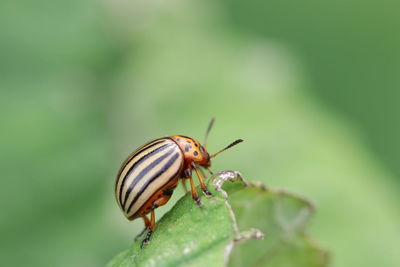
(198, 202)
(207, 193)
(141, 233)
(147, 239)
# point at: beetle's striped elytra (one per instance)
(149, 175)
(148, 170)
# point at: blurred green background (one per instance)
(312, 86)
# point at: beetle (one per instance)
(148, 177)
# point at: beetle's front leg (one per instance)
(195, 196)
(201, 180)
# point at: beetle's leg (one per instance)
(195, 196)
(151, 229)
(146, 221)
(202, 185)
(188, 175)
(184, 185)
(208, 169)
(146, 226)
(152, 221)
(202, 173)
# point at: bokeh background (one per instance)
(312, 86)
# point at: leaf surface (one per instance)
(218, 233)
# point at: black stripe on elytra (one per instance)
(129, 159)
(143, 173)
(155, 176)
(139, 161)
(176, 174)
(140, 150)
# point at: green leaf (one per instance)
(207, 236)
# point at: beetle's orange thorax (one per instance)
(192, 150)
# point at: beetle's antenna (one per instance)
(229, 146)
(210, 125)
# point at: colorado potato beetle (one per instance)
(148, 177)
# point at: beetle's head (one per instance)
(206, 162)
(193, 151)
